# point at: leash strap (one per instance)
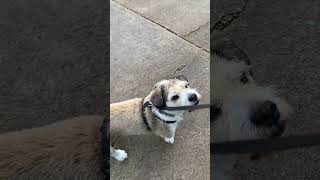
(215, 103)
(265, 145)
(201, 106)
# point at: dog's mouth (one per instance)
(195, 103)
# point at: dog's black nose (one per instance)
(193, 97)
(265, 114)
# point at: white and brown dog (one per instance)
(248, 111)
(142, 115)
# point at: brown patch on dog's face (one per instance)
(159, 96)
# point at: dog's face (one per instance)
(249, 111)
(174, 92)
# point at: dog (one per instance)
(248, 111)
(144, 115)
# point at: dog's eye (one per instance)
(186, 86)
(243, 78)
(175, 97)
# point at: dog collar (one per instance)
(149, 105)
(143, 114)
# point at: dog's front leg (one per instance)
(172, 128)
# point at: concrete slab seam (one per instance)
(182, 36)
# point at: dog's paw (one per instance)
(169, 140)
(120, 155)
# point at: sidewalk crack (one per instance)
(195, 30)
(227, 19)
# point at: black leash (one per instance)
(216, 104)
(265, 145)
(200, 106)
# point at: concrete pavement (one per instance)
(142, 53)
(187, 19)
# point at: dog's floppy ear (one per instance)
(182, 78)
(158, 98)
